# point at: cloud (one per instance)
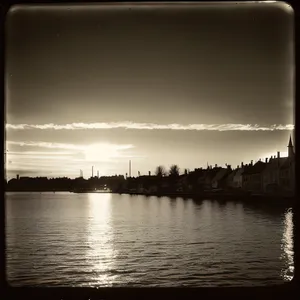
(47, 145)
(151, 126)
(13, 156)
(78, 156)
(93, 152)
(97, 147)
(29, 153)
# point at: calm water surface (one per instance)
(64, 239)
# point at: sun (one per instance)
(104, 152)
(100, 152)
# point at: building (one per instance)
(208, 176)
(253, 178)
(193, 181)
(287, 176)
(183, 183)
(237, 181)
(279, 174)
(230, 177)
(271, 173)
(219, 180)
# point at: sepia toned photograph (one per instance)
(149, 145)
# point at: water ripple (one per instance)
(93, 241)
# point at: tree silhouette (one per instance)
(174, 171)
(160, 171)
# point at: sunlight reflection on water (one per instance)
(287, 246)
(100, 238)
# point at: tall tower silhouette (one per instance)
(130, 168)
(290, 147)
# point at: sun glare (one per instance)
(104, 152)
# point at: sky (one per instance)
(155, 84)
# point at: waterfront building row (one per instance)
(273, 175)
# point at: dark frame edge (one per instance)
(105, 293)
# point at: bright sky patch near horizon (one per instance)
(155, 84)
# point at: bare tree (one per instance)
(160, 171)
(174, 171)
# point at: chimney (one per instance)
(18, 177)
(251, 163)
(130, 168)
(216, 165)
(242, 164)
(98, 174)
(278, 154)
(92, 171)
(238, 167)
(266, 160)
(149, 173)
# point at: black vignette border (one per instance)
(78, 293)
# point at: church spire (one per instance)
(290, 147)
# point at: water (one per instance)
(97, 240)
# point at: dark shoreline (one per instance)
(268, 199)
(274, 199)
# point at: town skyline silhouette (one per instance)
(275, 175)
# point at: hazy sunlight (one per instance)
(104, 152)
